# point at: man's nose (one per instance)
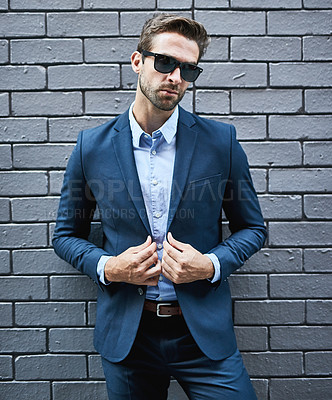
(175, 76)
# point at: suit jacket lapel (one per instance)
(185, 144)
(123, 148)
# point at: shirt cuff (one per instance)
(217, 273)
(101, 267)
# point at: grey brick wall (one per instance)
(64, 66)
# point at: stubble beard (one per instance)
(164, 103)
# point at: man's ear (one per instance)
(136, 61)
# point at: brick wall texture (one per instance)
(64, 66)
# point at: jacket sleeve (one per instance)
(76, 210)
(243, 212)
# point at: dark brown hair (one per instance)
(160, 23)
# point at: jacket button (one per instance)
(140, 291)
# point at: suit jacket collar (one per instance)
(185, 143)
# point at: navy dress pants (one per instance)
(163, 348)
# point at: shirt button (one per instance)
(153, 152)
(157, 215)
(155, 182)
(160, 246)
(140, 291)
(160, 278)
(146, 136)
(160, 298)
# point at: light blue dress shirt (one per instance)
(154, 157)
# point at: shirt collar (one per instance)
(168, 130)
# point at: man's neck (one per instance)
(149, 117)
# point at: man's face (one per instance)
(165, 91)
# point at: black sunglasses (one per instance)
(166, 64)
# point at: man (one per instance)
(160, 177)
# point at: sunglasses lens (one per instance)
(164, 64)
(190, 72)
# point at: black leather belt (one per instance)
(162, 309)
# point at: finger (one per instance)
(146, 264)
(167, 257)
(167, 271)
(152, 272)
(175, 243)
(145, 254)
(142, 246)
(172, 252)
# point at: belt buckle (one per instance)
(158, 310)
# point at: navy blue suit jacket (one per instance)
(210, 174)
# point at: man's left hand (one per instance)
(182, 263)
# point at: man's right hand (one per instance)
(133, 265)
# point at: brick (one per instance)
(318, 206)
(300, 388)
(92, 311)
(301, 74)
(72, 288)
(131, 22)
(299, 127)
(232, 22)
(4, 212)
(128, 77)
(266, 48)
(295, 286)
(318, 100)
(318, 363)
(79, 390)
(300, 338)
(261, 101)
(119, 4)
(6, 311)
(46, 51)
(264, 4)
(217, 50)
(21, 235)
(317, 48)
(211, 4)
(5, 156)
(45, 5)
(22, 183)
(3, 4)
(95, 367)
(71, 340)
(273, 364)
(67, 129)
(261, 388)
(229, 75)
(23, 288)
(301, 180)
(247, 127)
(41, 261)
(4, 104)
(299, 22)
(50, 367)
(300, 233)
(22, 24)
(318, 153)
(56, 179)
(317, 4)
(109, 49)
(50, 314)
(274, 260)
(281, 207)
(42, 155)
(4, 262)
(273, 154)
(212, 102)
(259, 179)
(26, 390)
(47, 103)
(84, 77)
(318, 260)
(319, 312)
(169, 5)
(4, 54)
(109, 103)
(269, 312)
(6, 371)
(248, 286)
(23, 130)
(82, 24)
(251, 338)
(22, 340)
